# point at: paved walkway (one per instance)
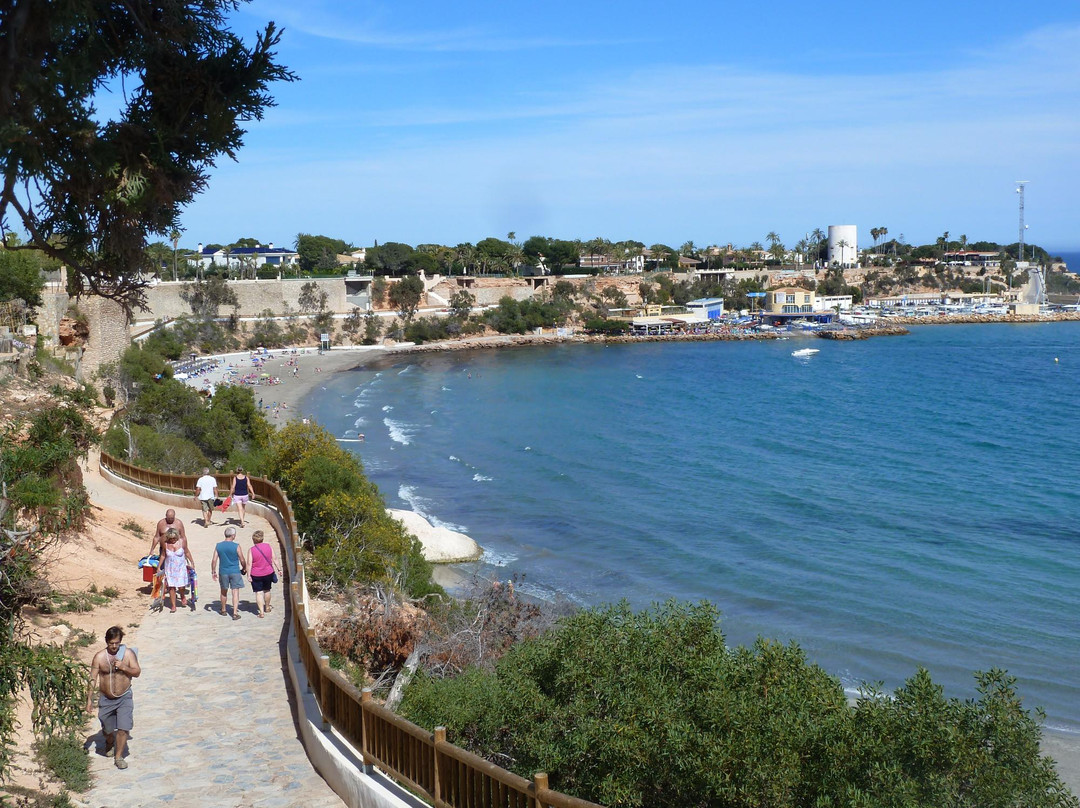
(213, 711)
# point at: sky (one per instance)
(715, 122)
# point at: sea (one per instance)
(886, 504)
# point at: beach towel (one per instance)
(226, 504)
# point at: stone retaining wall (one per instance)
(254, 297)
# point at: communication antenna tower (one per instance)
(1020, 190)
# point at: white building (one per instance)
(843, 245)
(240, 257)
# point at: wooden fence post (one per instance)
(440, 737)
(324, 666)
(365, 699)
(540, 782)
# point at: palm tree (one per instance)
(875, 233)
(466, 254)
(884, 231)
(843, 245)
(801, 247)
(175, 237)
(515, 257)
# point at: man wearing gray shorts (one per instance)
(111, 672)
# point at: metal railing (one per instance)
(421, 761)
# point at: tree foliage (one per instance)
(653, 709)
(395, 259)
(406, 295)
(518, 316)
(169, 426)
(20, 276)
(319, 253)
(87, 188)
(342, 515)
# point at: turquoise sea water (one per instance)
(888, 503)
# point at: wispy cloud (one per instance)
(376, 31)
(713, 152)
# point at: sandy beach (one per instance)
(311, 367)
(297, 372)
(286, 377)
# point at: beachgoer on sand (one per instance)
(111, 672)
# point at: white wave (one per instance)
(359, 421)
(421, 505)
(455, 459)
(528, 448)
(548, 594)
(387, 407)
(407, 369)
(497, 559)
(480, 478)
(445, 388)
(437, 522)
(399, 431)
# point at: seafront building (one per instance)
(244, 257)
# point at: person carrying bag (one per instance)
(264, 571)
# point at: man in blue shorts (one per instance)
(111, 672)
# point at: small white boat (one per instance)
(805, 352)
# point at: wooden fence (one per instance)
(422, 761)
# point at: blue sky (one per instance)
(662, 122)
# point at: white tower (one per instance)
(1020, 190)
(843, 245)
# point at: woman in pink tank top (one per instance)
(262, 566)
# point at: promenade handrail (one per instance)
(423, 761)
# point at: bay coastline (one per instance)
(294, 391)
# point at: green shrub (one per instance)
(64, 756)
(427, 329)
(516, 317)
(133, 527)
(598, 325)
(343, 515)
(652, 709)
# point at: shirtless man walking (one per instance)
(163, 525)
(111, 672)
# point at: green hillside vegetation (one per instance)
(342, 516)
(169, 426)
(42, 501)
(651, 709)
